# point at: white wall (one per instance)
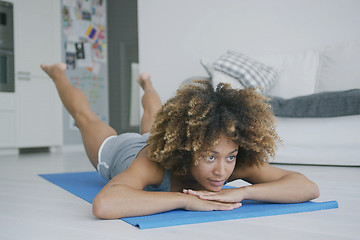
(175, 34)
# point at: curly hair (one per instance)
(192, 122)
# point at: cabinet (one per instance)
(37, 36)
(37, 108)
(38, 114)
(37, 40)
(7, 120)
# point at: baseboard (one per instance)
(9, 151)
(73, 148)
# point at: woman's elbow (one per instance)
(314, 192)
(101, 207)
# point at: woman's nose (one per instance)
(219, 168)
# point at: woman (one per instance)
(199, 140)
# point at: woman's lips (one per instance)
(216, 183)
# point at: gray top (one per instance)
(118, 152)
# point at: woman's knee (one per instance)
(84, 118)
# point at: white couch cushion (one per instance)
(298, 73)
(330, 141)
(339, 67)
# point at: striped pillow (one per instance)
(249, 72)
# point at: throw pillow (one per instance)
(218, 76)
(247, 71)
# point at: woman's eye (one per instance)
(231, 158)
(210, 158)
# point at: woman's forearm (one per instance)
(291, 188)
(118, 201)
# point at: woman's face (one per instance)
(215, 165)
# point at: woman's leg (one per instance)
(150, 102)
(93, 130)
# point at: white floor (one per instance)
(32, 208)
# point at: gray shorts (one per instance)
(118, 152)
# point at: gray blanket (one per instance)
(318, 105)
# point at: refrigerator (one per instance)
(84, 39)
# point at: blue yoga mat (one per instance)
(87, 184)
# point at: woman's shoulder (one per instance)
(259, 173)
(245, 171)
(148, 169)
(141, 173)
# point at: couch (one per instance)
(315, 96)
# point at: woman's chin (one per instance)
(214, 188)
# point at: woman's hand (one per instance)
(231, 195)
(194, 203)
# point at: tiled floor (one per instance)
(32, 208)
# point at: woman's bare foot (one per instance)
(144, 80)
(53, 70)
